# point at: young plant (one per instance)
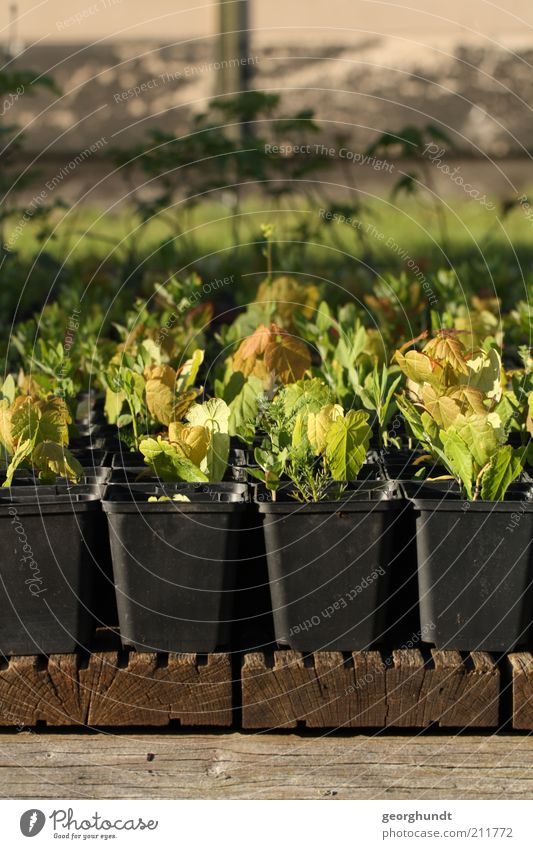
(348, 350)
(139, 388)
(378, 396)
(451, 407)
(193, 451)
(270, 357)
(313, 442)
(34, 433)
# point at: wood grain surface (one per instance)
(230, 765)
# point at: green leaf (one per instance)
(350, 347)
(412, 417)
(189, 371)
(9, 389)
(482, 435)
(388, 409)
(347, 442)
(41, 420)
(484, 373)
(271, 467)
(49, 456)
(113, 404)
(22, 453)
(323, 319)
(213, 414)
(504, 468)
(506, 413)
(168, 462)
(244, 409)
(305, 396)
(216, 461)
(458, 459)
(230, 388)
(430, 431)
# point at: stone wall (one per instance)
(479, 92)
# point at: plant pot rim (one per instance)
(42, 501)
(133, 498)
(340, 507)
(357, 501)
(459, 505)
(359, 492)
(174, 506)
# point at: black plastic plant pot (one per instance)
(92, 476)
(174, 565)
(403, 464)
(127, 459)
(475, 570)
(329, 568)
(122, 487)
(239, 461)
(47, 569)
(91, 458)
(87, 443)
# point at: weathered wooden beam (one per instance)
(521, 664)
(369, 690)
(113, 689)
(322, 690)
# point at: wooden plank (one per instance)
(366, 690)
(117, 689)
(521, 664)
(38, 765)
(323, 690)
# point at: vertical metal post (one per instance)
(234, 49)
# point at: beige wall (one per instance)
(273, 20)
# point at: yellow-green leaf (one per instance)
(346, 445)
(318, 425)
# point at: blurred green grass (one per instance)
(461, 228)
